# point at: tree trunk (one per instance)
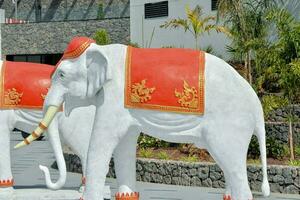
(249, 68)
(291, 140)
(246, 68)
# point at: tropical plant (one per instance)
(272, 102)
(281, 56)
(195, 23)
(101, 37)
(163, 155)
(245, 21)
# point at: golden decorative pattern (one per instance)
(140, 93)
(12, 97)
(188, 97)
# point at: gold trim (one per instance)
(188, 97)
(75, 53)
(174, 109)
(140, 93)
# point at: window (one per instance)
(159, 9)
(50, 59)
(214, 5)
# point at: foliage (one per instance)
(254, 161)
(297, 150)
(246, 24)
(101, 37)
(275, 149)
(146, 141)
(100, 14)
(190, 158)
(295, 163)
(272, 102)
(195, 23)
(146, 153)
(163, 155)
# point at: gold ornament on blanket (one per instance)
(188, 97)
(140, 93)
(44, 95)
(12, 97)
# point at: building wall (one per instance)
(53, 37)
(141, 28)
(60, 10)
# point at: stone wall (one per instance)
(53, 37)
(277, 126)
(62, 10)
(283, 179)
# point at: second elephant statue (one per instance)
(17, 110)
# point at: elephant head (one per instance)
(79, 76)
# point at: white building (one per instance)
(145, 21)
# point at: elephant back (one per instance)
(24, 85)
(165, 79)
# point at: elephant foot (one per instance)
(127, 196)
(227, 197)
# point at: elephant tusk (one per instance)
(52, 110)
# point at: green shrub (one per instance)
(275, 148)
(146, 153)
(272, 102)
(101, 37)
(297, 150)
(163, 155)
(146, 141)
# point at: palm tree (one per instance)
(246, 24)
(195, 23)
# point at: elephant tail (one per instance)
(54, 186)
(261, 136)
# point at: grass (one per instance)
(192, 158)
(295, 163)
(253, 161)
(146, 153)
(163, 155)
(297, 150)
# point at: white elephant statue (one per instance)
(124, 83)
(17, 110)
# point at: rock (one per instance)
(207, 182)
(291, 189)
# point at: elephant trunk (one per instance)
(50, 113)
(56, 145)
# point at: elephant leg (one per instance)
(125, 164)
(227, 195)
(231, 155)
(6, 178)
(104, 139)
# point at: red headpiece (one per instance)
(77, 46)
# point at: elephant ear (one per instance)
(75, 102)
(98, 72)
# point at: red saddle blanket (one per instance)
(24, 85)
(165, 79)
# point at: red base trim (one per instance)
(127, 196)
(6, 183)
(226, 197)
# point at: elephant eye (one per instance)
(61, 74)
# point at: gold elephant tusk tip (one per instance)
(21, 144)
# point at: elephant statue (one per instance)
(18, 110)
(177, 95)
